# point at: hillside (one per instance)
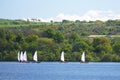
(50, 38)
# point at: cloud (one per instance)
(93, 15)
(90, 15)
(47, 20)
(67, 17)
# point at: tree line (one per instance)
(51, 38)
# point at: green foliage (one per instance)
(67, 47)
(116, 47)
(50, 38)
(32, 38)
(110, 58)
(19, 38)
(49, 33)
(102, 44)
(58, 37)
(80, 46)
(73, 37)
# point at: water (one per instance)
(58, 71)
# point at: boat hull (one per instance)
(36, 62)
(83, 62)
(63, 62)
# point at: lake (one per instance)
(58, 71)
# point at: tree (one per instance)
(80, 46)
(58, 37)
(4, 45)
(102, 44)
(32, 46)
(49, 33)
(74, 37)
(19, 38)
(116, 47)
(110, 58)
(51, 21)
(85, 33)
(32, 38)
(10, 36)
(67, 47)
(2, 33)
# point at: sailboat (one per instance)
(35, 59)
(19, 56)
(25, 57)
(83, 58)
(62, 57)
(22, 57)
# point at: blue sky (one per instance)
(60, 9)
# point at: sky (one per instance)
(57, 10)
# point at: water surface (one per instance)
(58, 71)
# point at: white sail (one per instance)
(62, 56)
(19, 56)
(25, 57)
(35, 57)
(83, 57)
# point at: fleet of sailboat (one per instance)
(22, 57)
